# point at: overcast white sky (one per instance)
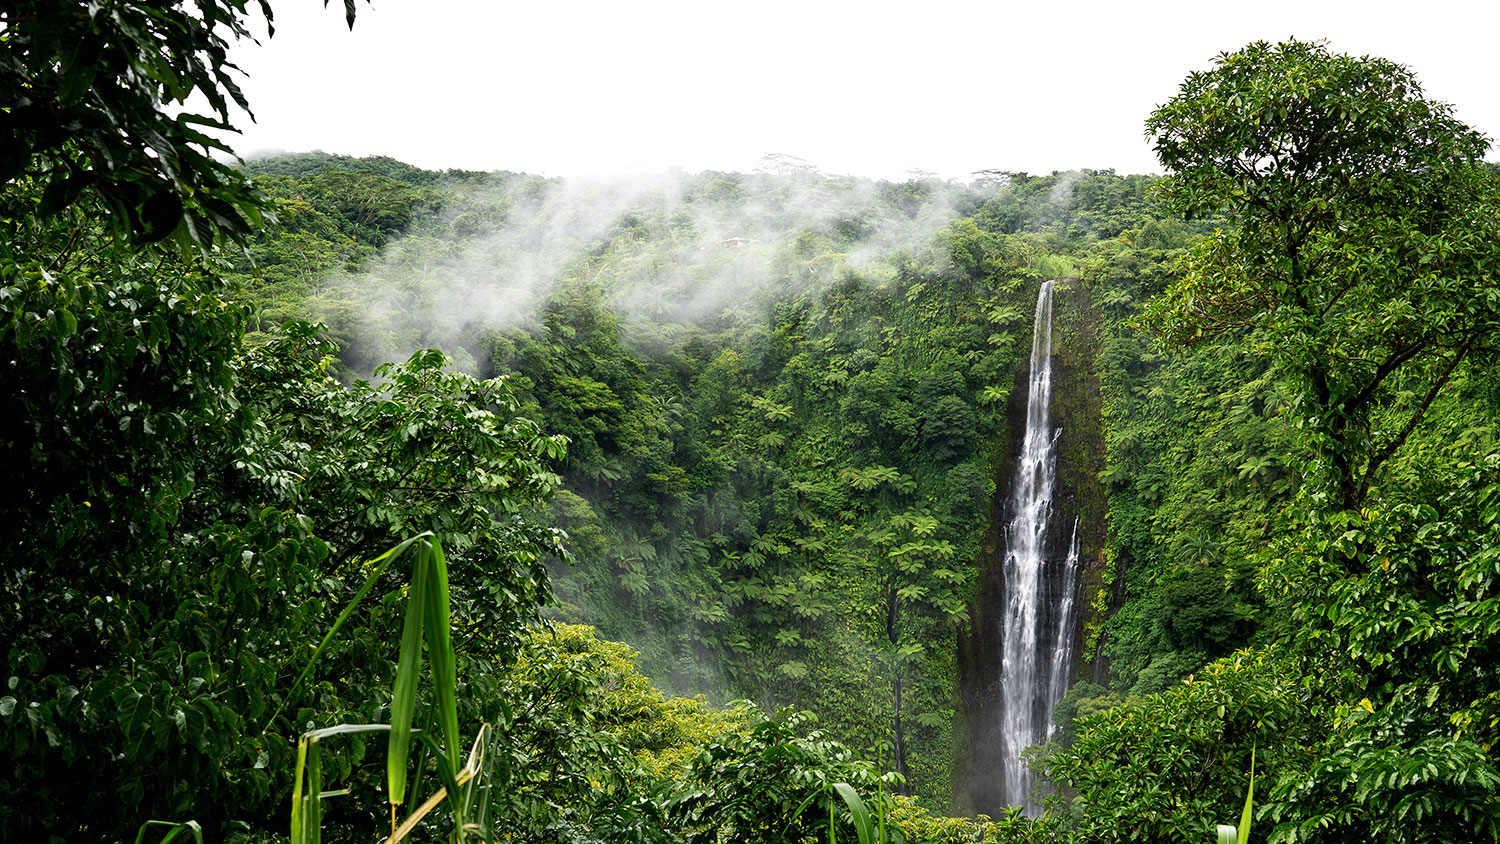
(870, 88)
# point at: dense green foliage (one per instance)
(749, 425)
(769, 417)
(1364, 244)
(1197, 475)
(187, 516)
(85, 87)
(147, 685)
(1358, 267)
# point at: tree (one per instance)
(1363, 260)
(103, 391)
(84, 88)
(1364, 242)
(183, 518)
(152, 630)
(1168, 766)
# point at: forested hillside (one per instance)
(323, 465)
(784, 398)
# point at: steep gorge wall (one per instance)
(1079, 498)
(1081, 455)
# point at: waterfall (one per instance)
(1039, 588)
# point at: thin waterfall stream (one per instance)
(1040, 585)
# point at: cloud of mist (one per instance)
(670, 248)
(1061, 195)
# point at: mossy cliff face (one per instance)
(1079, 499)
(1076, 402)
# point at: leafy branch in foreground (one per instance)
(88, 89)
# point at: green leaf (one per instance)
(438, 625)
(307, 788)
(175, 829)
(862, 824)
(1245, 816)
(404, 692)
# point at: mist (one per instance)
(673, 248)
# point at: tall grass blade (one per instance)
(832, 826)
(380, 563)
(345, 729)
(404, 692)
(178, 828)
(299, 804)
(307, 787)
(1246, 815)
(438, 624)
(313, 832)
(427, 618)
(1230, 834)
(862, 824)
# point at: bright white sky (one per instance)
(875, 88)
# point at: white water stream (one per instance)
(1040, 590)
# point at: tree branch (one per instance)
(1378, 459)
(1391, 364)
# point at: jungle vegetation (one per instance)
(750, 424)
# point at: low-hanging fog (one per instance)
(670, 249)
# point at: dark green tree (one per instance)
(1363, 241)
(183, 520)
(1362, 259)
(85, 89)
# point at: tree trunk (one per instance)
(900, 743)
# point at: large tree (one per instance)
(101, 161)
(1363, 257)
(1363, 244)
(182, 516)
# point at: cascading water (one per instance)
(1039, 589)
